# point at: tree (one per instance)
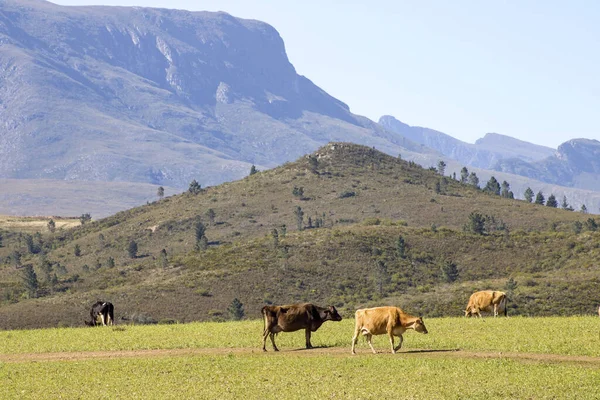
(77, 251)
(85, 218)
(299, 217)
(298, 191)
(51, 225)
(464, 175)
(29, 279)
(449, 270)
(283, 230)
(253, 170)
(551, 202)
(583, 209)
(236, 310)
(132, 249)
(505, 192)
(539, 198)
(492, 187)
(474, 180)
(195, 187)
(510, 286)
(46, 268)
(15, 257)
(163, 259)
(401, 247)
(160, 192)
(110, 262)
(441, 167)
(476, 223)
(382, 276)
(30, 245)
(577, 227)
(438, 187)
(202, 244)
(591, 225)
(210, 214)
(528, 195)
(313, 163)
(275, 235)
(101, 242)
(564, 205)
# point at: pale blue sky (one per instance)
(528, 69)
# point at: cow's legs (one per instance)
(495, 310)
(391, 335)
(308, 345)
(355, 338)
(272, 336)
(103, 320)
(399, 344)
(265, 336)
(369, 337)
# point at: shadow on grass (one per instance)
(429, 351)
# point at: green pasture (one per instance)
(237, 368)
(551, 335)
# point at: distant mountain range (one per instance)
(161, 97)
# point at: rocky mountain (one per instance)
(485, 153)
(576, 163)
(129, 94)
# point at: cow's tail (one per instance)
(506, 306)
(264, 311)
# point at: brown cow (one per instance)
(294, 317)
(382, 320)
(486, 300)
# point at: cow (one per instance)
(293, 317)
(382, 320)
(102, 312)
(486, 300)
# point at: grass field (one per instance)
(459, 358)
(35, 224)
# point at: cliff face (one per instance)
(157, 96)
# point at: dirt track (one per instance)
(336, 352)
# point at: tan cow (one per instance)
(486, 300)
(382, 320)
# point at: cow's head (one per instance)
(468, 312)
(419, 325)
(332, 314)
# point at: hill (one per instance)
(359, 201)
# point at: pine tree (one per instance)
(236, 310)
(441, 167)
(29, 279)
(202, 244)
(275, 235)
(583, 209)
(160, 192)
(132, 249)
(15, 257)
(449, 270)
(577, 227)
(77, 251)
(474, 180)
(492, 187)
(299, 217)
(551, 202)
(564, 205)
(539, 198)
(283, 230)
(110, 262)
(29, 243)
(51, 225)
(528, 195)
(253, 170)
(476, 223)
(85, 218)
(591, 225)
(163, 259)
(194, 187)
(210, 214)
(505, 192)
(101, 242)
(464, 175)
(401, 247)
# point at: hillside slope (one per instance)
(360, 201)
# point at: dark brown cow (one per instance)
(103, 311)
(294, 317)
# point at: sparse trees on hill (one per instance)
(474, 180)
(529, 195)
(160, 192)
(539, 198)
(132, 249)
(492, 187)
(194, 187)
(236, 310)
(551, 202)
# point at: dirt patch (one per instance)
(335, 352)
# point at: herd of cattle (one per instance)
(369, 321)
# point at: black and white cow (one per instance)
(102, 312)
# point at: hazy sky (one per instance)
(528, 69)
